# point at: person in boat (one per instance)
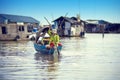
(50, 39)
(54, 37)
(39, 36)
(42, 37)
(46, 39)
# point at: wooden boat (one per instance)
(42, 49)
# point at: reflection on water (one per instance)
(20, 68)
(19, 61)
(50, 61)
(90, 58)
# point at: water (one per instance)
(90, 58)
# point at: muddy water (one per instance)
(90, 58)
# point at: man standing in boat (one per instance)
(54, 37)
(54, 42)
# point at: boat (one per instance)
(42, 49)
(45, 50)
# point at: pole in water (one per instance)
(103, 35)
(103, 31)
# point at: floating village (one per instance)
(68, 49)
(16, 27)
(59, 39)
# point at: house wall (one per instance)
(56, 24)
(73, 31)
(22, 34)
(77, 30)
(91, 28)
(67, 29)
(13, 31)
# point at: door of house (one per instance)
(69, 33)
(4, 30)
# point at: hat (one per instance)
(46, 35)
(41, 33)
(54, 31)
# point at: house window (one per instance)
(4, 30)
(29, 28)
(21, 28)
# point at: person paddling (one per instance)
(54, 37)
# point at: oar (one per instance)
(56, 52)
(56, 49)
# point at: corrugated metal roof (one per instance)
(70, 20)
(97, 22)
(17, 18)
(65, 18)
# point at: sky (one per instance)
(108, 10)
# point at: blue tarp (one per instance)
(35, 30)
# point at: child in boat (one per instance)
(39, 39)
(46, 39)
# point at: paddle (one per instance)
(57, 50)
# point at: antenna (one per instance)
(66, 14)
(78, 17)
(52, 17)
(79, 7)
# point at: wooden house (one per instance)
(113, 28)
(14, 27)
(96, 26)
(69, 26)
